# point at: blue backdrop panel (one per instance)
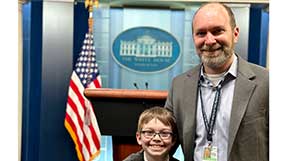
(258, 37)
(32, 62)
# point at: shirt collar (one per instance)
(233, 68)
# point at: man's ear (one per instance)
(138, 136)
(235, 34)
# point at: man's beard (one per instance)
(216, 61)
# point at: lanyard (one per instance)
(209, 125)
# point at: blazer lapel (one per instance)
(191, 83)
(190, 102)
(244, 88)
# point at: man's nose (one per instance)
(209, 39)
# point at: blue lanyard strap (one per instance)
(209, 125)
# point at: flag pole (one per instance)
(90, 5)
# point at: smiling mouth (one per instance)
(211, 50)
(156, 146)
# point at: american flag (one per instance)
(80, 119)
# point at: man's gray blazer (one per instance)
(249, 120)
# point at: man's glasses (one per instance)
(150, 134)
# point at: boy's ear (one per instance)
(174, 141)
(138, 136)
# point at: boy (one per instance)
(156, 134)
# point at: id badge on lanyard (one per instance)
(210, 153)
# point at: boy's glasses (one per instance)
(151, 134)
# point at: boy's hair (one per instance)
(160, 113)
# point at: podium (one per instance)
(117, 112)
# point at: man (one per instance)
(221, 106)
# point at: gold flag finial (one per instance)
(91, 3)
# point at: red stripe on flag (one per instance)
(80, 121)
(94, 134)
(75, 109)
(78, 93)
(95, 137)
(97, 84)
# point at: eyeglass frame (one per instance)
(144, 132)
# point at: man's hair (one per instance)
(232, 21)
(160, 113)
